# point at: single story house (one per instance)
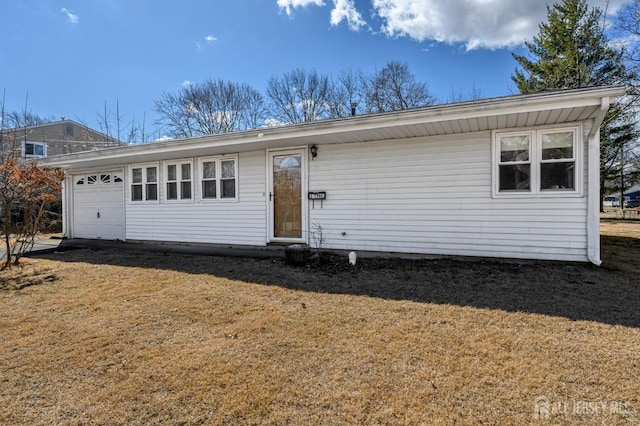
(511, 177)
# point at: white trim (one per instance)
(65, 208)
(178, 181)
(24, 149)
(535, 160)
(304, 185)
(218, 159)
(593, 201)
(158, 182)
(355, 129)
(69, 196)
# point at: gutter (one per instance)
(457, 111)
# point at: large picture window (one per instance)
(218, 178)
(537, 162)
(144, 182)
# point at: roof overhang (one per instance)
(510, 112)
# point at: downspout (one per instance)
(593, 188)
(66, 186)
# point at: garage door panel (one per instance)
(98, 206)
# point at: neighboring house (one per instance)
(512, 177)
(49, 139)
(632, 193)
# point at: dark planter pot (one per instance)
(297, 254)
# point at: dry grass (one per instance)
(144, 338)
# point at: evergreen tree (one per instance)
(571, 51)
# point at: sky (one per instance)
(70, 57)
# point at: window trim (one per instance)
(535, 159)
(178, 181)
(42, 144)
(218, 159)
(144, 167)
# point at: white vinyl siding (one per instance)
(434, 196)
(241, 222)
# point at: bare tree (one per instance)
(17, 119)
(175, 115)
(300, 96)
(28, 189)
(104, 121)
(347, 94)
(113, 124)
(215, 106)
(12, 123)
(474, 94)
(627, 25)
(255, 109)
(395, 88)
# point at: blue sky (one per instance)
(70, 56)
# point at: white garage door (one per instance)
(98, 205)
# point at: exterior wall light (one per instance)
(314, 151)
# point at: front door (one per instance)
(286, 200)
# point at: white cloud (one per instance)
(475, 23)
(70, 16)
(272, 122)
(208, 40)
(488, 24)
(346, 10)
(187, 83)
(288, 5)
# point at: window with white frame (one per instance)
(34, 149)
(218, 178)
(537, 162)
(179, 180)
(144, 182)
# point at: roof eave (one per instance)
(268, 137)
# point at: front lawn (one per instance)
(105, 337)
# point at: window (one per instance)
(537, 162)
(515, 163)
(178, 181)
(100, 179)
(144, 183)
(218, 177)
(35, 150)
(228, 179)
(557, 162)
(209, 179)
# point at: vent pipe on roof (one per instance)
(353, 108)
